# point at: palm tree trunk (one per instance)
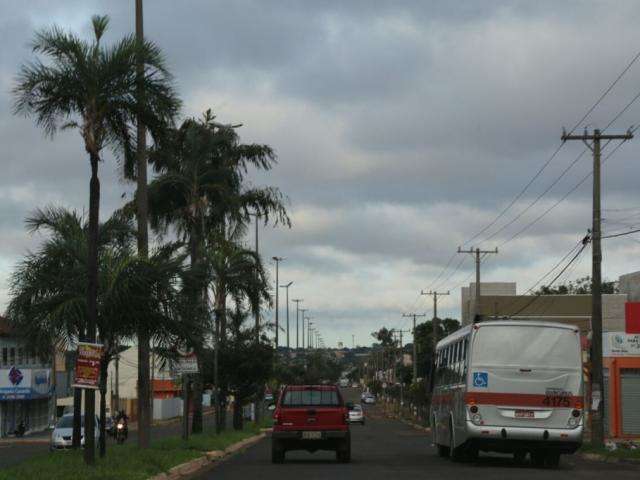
(221, 321)
(92, 303)
(196, 422)
(104, 365)
(199, 298)
(142, 200)
(238, 422)
(77, 413)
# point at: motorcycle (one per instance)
(121, 432)
(20, 431)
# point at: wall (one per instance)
(166, 408)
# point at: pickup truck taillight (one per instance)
(346, 416)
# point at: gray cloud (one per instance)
(402, 129)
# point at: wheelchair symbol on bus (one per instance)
(480, 379)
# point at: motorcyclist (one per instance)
(122, 418)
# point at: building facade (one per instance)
(25, 385)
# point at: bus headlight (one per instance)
(574, 419)
(476, 418)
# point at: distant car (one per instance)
(344, 382)
(369, 399)
(62, 435)
(356, 414)
(311, 417)
(355, 385)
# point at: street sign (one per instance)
(88, 365)
(187, 364)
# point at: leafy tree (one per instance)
(384, 336)
(92, 87)
(424, 341)
(581, 286)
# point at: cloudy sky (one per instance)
(402, 129)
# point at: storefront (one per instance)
(621, 353)
(24, 397)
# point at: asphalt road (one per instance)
(386, 449)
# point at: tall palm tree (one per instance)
(92, 87)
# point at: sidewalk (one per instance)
(44, 437)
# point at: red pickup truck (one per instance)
(310, 417)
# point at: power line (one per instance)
(585, 242)
(557, 150)
(621, 234)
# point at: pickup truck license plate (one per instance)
(311, 435)
(524, 414)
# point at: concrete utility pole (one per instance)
(257, 314)
(479, 255)
(277, 260)
(415, 349)
(287, 298)
(434, 333)
(597, 394)
(302, 337)
(309, 323)
(297, 300)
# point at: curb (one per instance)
(598, 457)
(206, 462)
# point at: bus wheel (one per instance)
(443, 450)
(552, 459)
(455, 453)
(537, 458)
(519, 456)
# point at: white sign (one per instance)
(24, 383)
(620, 344)
(187, 364)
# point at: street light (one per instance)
(277, 260)
(302, 312)
(297, 300)
(287, 287)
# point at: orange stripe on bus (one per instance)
(521, 400)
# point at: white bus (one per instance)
(509, 386)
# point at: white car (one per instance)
(356, 414)
(62, 435)
(369, 399)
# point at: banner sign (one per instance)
(620, 344)
(24, 383)
(187, 364)
(88, 365)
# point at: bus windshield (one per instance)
(523, 345)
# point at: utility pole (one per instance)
(309, 337)
(287, 298)
(297, 300)
(479, 255)
(277, 260)
(302, 337)
(257, 314)
(597, 394)
(415, 348)
(434, 333)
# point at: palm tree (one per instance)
(91, 87)
(48, 289)
(200, 189)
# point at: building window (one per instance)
(12, 356)
(20, 356)
(5, 356)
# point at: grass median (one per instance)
(619, 453)
(125, 462)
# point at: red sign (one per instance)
(88, 365)
(632, 317)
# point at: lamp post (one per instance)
(287, 298)
(277, 260)
(297, 300)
